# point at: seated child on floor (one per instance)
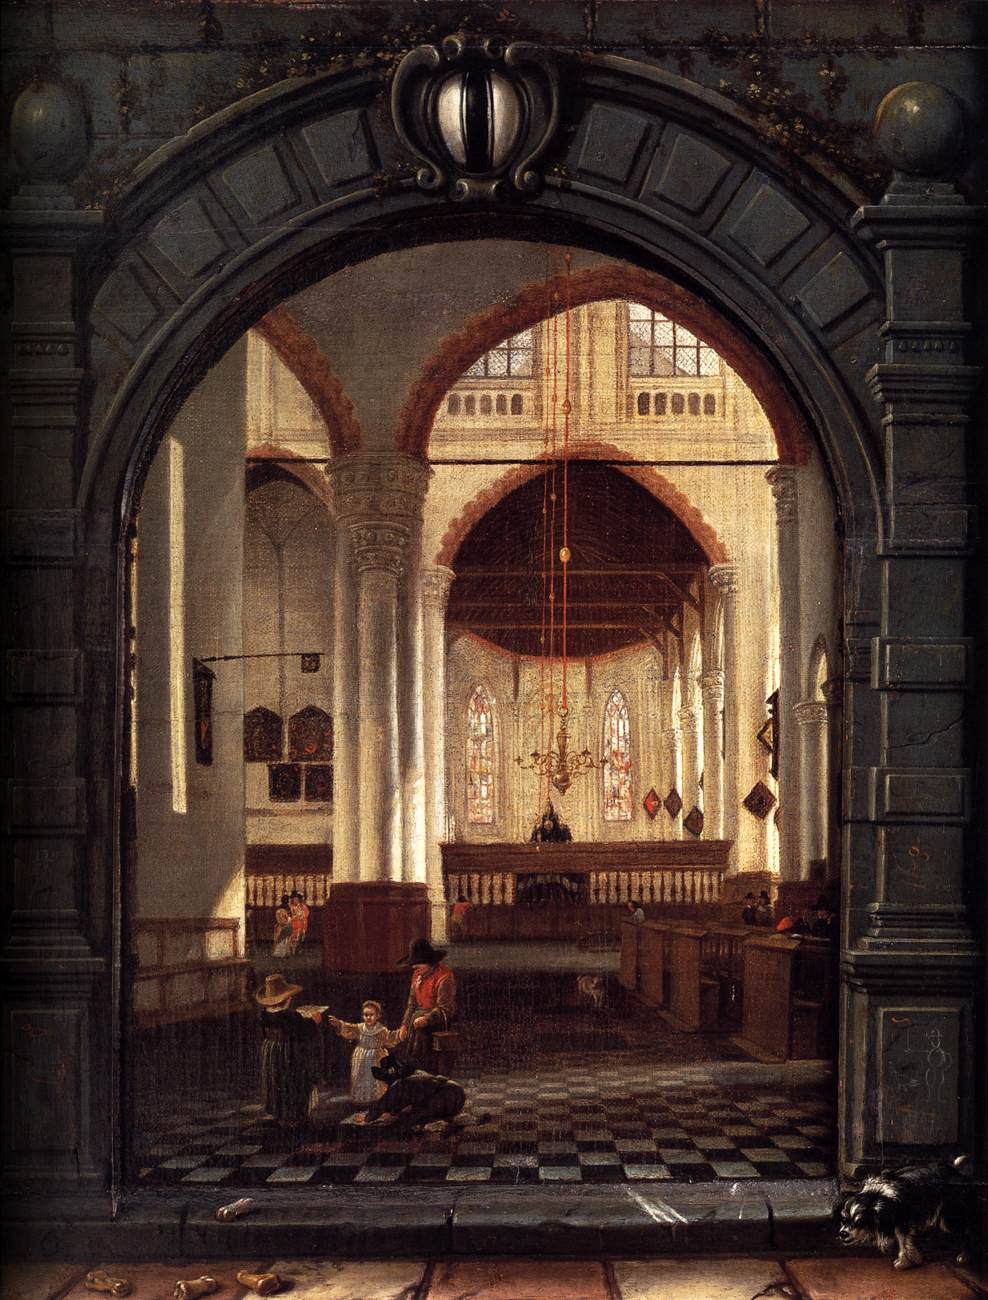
(373, 1040)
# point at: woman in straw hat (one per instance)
(286, 1076)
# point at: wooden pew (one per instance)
(722, 960)
(629, 974)
(692, 999)
(788, 996)
(653, 962)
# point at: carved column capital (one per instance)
(687, 721)
(724, 577)
(380, 486)
(379, 546)
(810, 713)
(437, 580)
(782, 480)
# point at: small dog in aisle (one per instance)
(591, 991)
(894, 1206)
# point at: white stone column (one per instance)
(346, 712)
(782, 479)
(379, 500)
(725, 579)
(410, 710)
(436, 583)
(690, 791)
(811, 717)
(712, 685)
(672, 767)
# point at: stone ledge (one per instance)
(648, 1218)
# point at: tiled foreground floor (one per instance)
(524, 1279)
(617, 1124)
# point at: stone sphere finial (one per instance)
(49, 132)
(920, 128)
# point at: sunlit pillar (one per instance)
(346, 788)
(712, 685)
(724, 577)
(436, 583)
(782, 479)
(689, 729)
(672, 766)
(811, 719)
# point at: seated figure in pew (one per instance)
(750, 910)
(550, 887)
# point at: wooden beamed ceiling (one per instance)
(634, 567)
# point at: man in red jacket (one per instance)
(431, 1001)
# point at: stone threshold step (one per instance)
(641, 1219)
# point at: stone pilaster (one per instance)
(810, 719)
(436, 583)
(911, 960)
(689, 730)
(346, 713)
(782, 480)
(55, 963)
(712, 686)
(724, 578)
(672, 767)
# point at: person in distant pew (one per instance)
(764, 912)
(800, 925)
(635, 910)
(458, 916)
(825, 925)
(749, 912)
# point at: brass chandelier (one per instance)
(557, 767)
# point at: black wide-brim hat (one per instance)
(392, 1069)
(422, 953)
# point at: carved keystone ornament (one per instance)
(479, 115)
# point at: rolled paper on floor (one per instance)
(98, 1279)
(195, 1287)
(260, 1283)
(235, 1209)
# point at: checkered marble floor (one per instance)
(615, 1124)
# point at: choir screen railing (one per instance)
(654, 872)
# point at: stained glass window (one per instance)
(658, 346)
(512, 357)
(480, 759)
(617, 759)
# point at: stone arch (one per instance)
(657, 484)
(292, 463)
(538, 301)
(303, 357)
(219, 227)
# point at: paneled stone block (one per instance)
(834, 291)
(45, 1060)
(611, 143)
(921, 665)
(768, 225)
(42, 536)
(188, 238)
(929, 527)
(919, 794)
(341, 147)
(922, 865)
(44, 675)
(126, 304)
(42, 809)
(919, 1051)
(688, 175)
(261, 185)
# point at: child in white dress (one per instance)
(373, 1040)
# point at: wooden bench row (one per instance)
(775, 993)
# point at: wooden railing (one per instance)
(267, 889)
(654, 871)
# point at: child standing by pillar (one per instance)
(373, 1040)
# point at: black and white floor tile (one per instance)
(614, 1124)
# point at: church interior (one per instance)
(456, 533)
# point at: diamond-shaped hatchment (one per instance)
(694, 822)
(673, 803)
(652, 803)
(760, 800)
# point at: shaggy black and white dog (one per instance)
(895, 1206)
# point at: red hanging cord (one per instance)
(567, 407)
